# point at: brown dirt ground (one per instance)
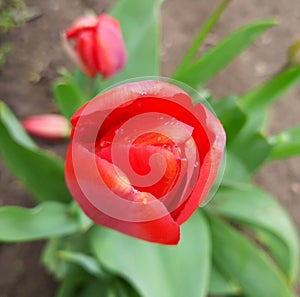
(37, 56)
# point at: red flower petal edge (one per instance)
(143, 158)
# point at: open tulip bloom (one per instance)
(143, 158)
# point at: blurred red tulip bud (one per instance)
(98, 45)
(47, 126)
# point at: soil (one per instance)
(25, 85)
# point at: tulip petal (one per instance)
(157, 158)
(74, 56)
(85, 47)
(80, 25)
(210, 165)
(111, 55)
(162, 230)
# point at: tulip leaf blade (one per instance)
(88, 263)
(235, 170)
(251, 145)
(67, 98)
(220, 284)
(231, 116)
(204, 31)
(286, 144)
(154, 270)
(49, 219)
(236, 203)
(41, 172)
(214, 60)
(49, 257)
(244, 262)
(14, 128)
(262, 96)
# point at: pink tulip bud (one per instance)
(97, 45)
(47, 126)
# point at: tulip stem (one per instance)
(90, 89)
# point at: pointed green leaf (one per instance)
(251, 146)
(49, 258)
(269, 91)
(248, 265)
(67, 98)
(259, 211)
(95, 288)
(204, 31)
(231, 116)
(253, 152)
(235, 170)
(220, 284)
(46, 220)
(155, 270)
(213, 61)
(286, 144)
(67, 288)
(14, 128)
(88, 263)
(40, 172)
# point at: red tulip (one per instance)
(48, 126)
(98, 45)
(143, 158)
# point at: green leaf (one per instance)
(139, 21)
(243, 261)
(40, 172)
(286, 144)
(67, 288)
(123, 288)
(14, 128)
(204, 31)
(269, 91)
(222, 54)
(67, 98)
(231, 116)
(155, 270)
(88, 263)
(235, 170)
(257, 210)
(252, 152)
(220, 284)
(46, 220)
(250, 145)
(95, 288)
(84, 83)
(50, 258)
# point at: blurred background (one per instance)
(36, 57)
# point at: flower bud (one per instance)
(98, 45)
(47, 126)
